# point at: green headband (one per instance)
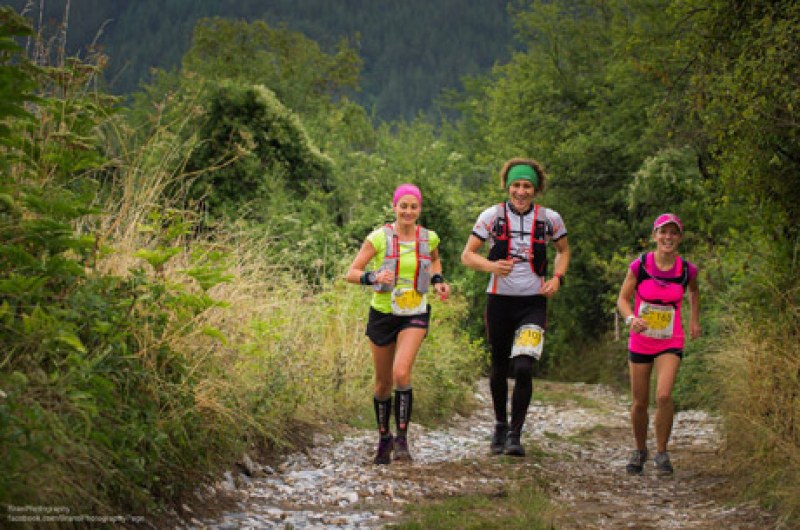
(522, 172)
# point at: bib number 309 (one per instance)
(528, 340)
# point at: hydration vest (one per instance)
(391, 259)
(502, 240)
(643, 274)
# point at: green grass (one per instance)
(588, 436)
(521, 506)
(549, 396)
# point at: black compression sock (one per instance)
(403, 399)
(383, 410)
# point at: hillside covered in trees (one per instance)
(411, 50)
(171, 263)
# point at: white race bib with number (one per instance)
(528, 340)
(406, 301)
(660, 320)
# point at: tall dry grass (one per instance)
(759, 374)
(284, 352)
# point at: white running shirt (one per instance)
(522, 281)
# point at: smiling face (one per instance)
(407, 210)
(667, 238)
(521, 193)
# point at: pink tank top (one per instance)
(659, 303)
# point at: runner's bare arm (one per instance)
(694, 301)
(560, 264)
(359, 265)
(357, 268)
(624, 306)
(442, 288)
(473, 260)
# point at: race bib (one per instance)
(406, 301)
(660, 320)
(528, 340)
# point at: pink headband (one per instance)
(406, 189)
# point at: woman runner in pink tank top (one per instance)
(657, 285)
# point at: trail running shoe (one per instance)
(384, 454)
(401, 453)
(636, 462)
(663, 464)
(513, 445)
(499, 438)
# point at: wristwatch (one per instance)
(369, 278)
(629, 319)
(560, 278)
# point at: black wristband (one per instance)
(368, 278)
(437, 278)
(560, 279)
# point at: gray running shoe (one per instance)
(513, 445)
(401, 453)
(499, 438)
(663, 464)
(384, 454)
(636, 462)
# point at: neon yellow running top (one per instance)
(408, 264)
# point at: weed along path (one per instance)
(577, 438)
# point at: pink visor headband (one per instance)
(667, 218)
(406, 189)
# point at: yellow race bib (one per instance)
(528, 340)
(406, 301)
(660, 320)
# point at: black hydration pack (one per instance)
(502, 240)
(642, 275)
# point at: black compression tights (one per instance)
(521, 368)
(504, 314)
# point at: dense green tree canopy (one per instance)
(286, 62)
(252, 147)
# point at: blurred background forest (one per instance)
(410, 50)
(184, 185)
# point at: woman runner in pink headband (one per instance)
(400, 262)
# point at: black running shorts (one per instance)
(641, 358)
(382, 328)
(505, 314)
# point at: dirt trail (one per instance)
(586, 471)
(578, 440)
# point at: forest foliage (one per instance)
(171, 295)
(411, 50)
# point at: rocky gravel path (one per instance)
(577, 438)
